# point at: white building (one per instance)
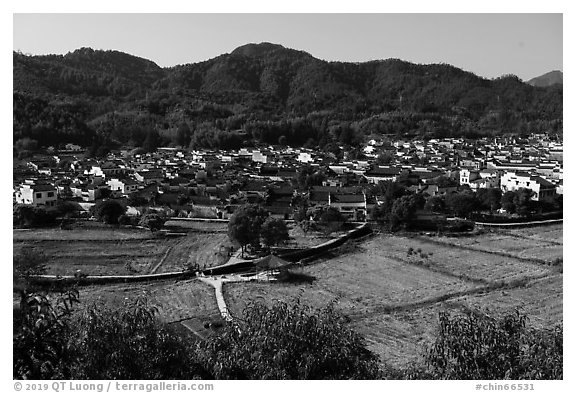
(34, 194)
(123, 186)
(542, 188)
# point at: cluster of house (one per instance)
(213, 183)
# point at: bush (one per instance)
(295, 277)
(289, 341)
(28, 216)
(478, 346)
(152, 221)
(108, 211)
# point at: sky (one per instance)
(489, 45)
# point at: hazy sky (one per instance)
(489, 45)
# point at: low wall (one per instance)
(355, 233)
(517, 224)
(46, 279)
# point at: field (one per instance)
(188, 302)
(540, 243)
(110, 251)
(390, 287)
(393, 296)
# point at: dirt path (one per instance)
(388, 309)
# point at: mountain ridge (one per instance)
(113, 92)
(548, 79)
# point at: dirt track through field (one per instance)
(477, 249)
(442, 298)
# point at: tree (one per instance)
(274, 231)
(489, 198)
(385, 158)
(183, 135)
(127, 342)
(27, 263)
(462, 204)
(479, 346)
(108, 211)
(523, 201)
(435, 204)
(102, 193)
(329, 218)
(41, 327)
(152, 221)
(507, 202)
(152, 141)
(245, 225)
(30, 216)
(289, 341)
(403, 211)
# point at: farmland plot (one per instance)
(121, 251)
(175, 300)
(393, 299)
(200, 226)
(525, 243)
(189, 302)
(202, 249)
(465, 262)
(541, 300)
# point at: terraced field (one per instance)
(392, 295)
(120, 251)
(525, 243)
(188, 302)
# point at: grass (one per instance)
(189, 303)
(525, 243)
(392, 296)
(119, 251)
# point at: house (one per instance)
(542, 188)
(382, 173)
(305, 157)
(351, 206)
(149, 176)
(122, 186)
(37, 194)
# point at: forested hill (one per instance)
(122, 98)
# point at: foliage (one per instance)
(245, 225)
(25, 264)
(27, 216)
(476, 346)
(435, 204)
(507, 202)
(489, 198)
(152, 221)
(462, 204)
(289, 341)
(236, 99)
(518, 201)
(108, 211)
(308, 177)
(127, 343)
(523, 202)
(41, 325)
(403, 211)
(274, 231)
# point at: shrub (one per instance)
(477, 346)
(289, 341)
(108, 211)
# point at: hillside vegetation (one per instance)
(264, 91)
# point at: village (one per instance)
(212, 184)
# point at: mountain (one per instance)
(268, 91)
(548, 79)
(84, 71)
